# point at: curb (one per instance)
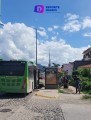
(37, 94)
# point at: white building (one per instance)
(87, 54)
(68, 68)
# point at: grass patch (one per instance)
(87, 92)
(86, 97)
(60, 91)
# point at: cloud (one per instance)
(17, 41)
(70, 16)
(86, 22)
(55, 27)
(60, 52)
(42, 31)
(50, 29)
(72, 26)
(87, 34)
(54, 38)
(73, 23)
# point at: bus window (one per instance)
(30, 72)
(12, 68)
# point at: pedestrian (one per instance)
(77, 84)
(65, 82)
(60, 81)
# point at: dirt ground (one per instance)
(69, 95)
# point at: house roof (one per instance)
(85, 66)
(86, 50)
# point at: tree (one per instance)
(76, 72)
(84, 72)
(56, 65)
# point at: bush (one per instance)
(76, 72)
(86, 86)
(86, 97)
(89, 92)
(60, 91)
(84, 77)
(85, 73)
(71, 82)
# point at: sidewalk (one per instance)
(69, 90)
(76, 111)
(73, 107)
(48, 93)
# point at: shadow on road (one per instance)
(12, 95)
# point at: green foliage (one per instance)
(60, 90)
(87, 92)
(71, 82)
(84, 75)
(76, 72)
(86, 86)
(85, 72)
(86, 97)
(1, 59)
(60, 75)
(56, 65)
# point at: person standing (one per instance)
(77, 84)
(65, 82)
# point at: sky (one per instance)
(67, 33)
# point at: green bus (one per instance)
(16, 77)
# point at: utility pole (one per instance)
(36, 45)
(0, 9)
(49, 59)
(1, 24)
(36, 80)
(35, 29)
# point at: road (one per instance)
(31, 107)
(74, 108)
(45, 105)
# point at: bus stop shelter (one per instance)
(51, 79)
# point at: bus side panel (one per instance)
(30, 86)
(11, 84)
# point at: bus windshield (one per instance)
(12, 68)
